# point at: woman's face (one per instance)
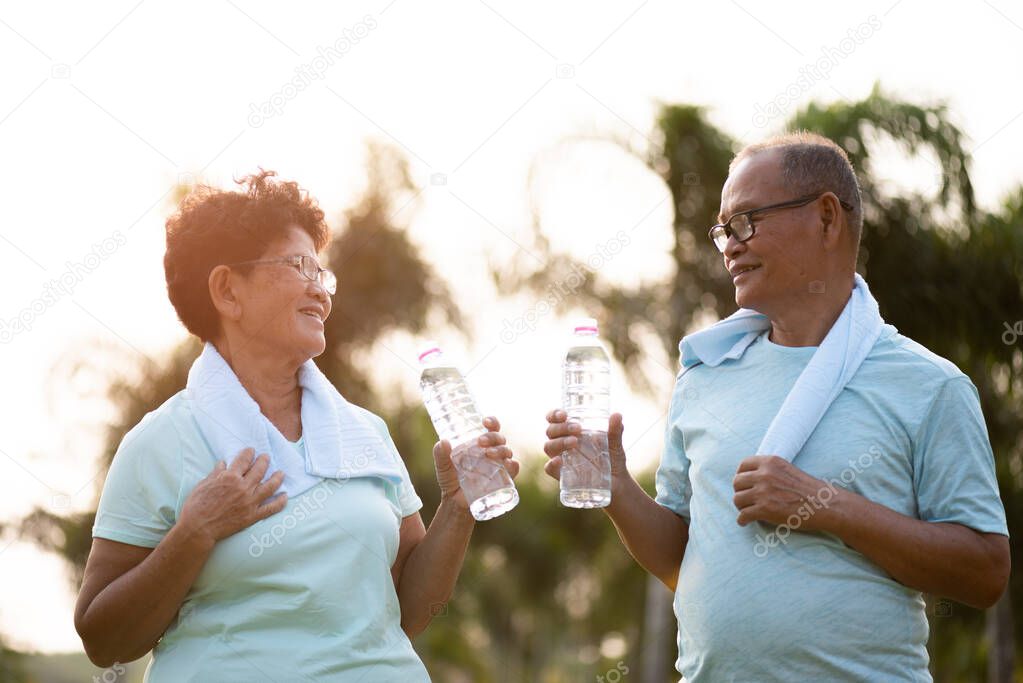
(281, 309)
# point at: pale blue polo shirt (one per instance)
(304, 595)
(762, 603)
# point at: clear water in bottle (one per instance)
(586, 394)
(485, 482)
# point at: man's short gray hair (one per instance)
(812, 164)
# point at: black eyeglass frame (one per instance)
(727, 229)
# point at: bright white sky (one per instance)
(104, 107)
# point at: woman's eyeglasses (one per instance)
(306, 265)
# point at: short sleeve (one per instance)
(140, 496)
(672, 478)
(408, 500)
(954, 469)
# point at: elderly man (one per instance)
(810, 569)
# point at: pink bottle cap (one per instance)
(586, 325)
(428, 349)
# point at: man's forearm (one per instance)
(654, 535)
(939, 558)
(429, 575)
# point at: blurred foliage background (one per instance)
(550, 594)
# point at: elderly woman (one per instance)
(257, 526)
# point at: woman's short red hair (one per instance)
(214, 227)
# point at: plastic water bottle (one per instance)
(485, 482)
(585, 397)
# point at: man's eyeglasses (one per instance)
(306, 265)
(741, 226)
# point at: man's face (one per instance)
(785, 252)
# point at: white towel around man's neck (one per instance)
(339, 442)
(833, 364)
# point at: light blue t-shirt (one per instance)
(304, 595)
(763, 603)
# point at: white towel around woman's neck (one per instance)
(339, 442)
(833, 364)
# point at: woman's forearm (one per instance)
(429, 575)
(125, 620)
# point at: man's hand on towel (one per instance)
(563, 435)
(770, 489)
(493, 444)
(231, 498)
